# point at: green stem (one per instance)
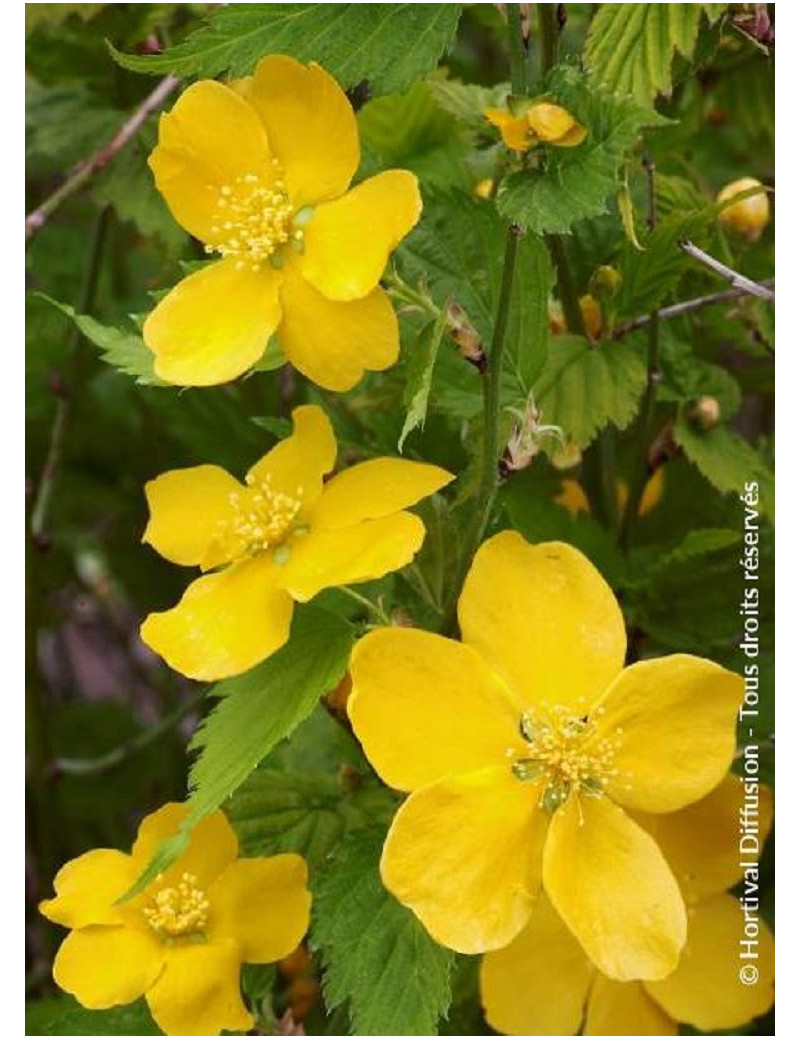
(373, 608)
(645, 435)
(516, 50)
(490, 453)
(119, 755)
(567, 292)
(549, 31)
(55, 448)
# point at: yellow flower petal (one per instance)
(374, 489)
(515, 130)
(186, 508)
(550, 122)
(103, 966)
(212, 845)
(572, 497)
(464, 854)
(701, 842)
(364, 552)
(544, 619)
(198, 992)
(675, 719)
(297, 464)
(210, 137)
(624, 1009)
(706, 991)
(330, 342)
(425, 707)
(613, 888)
(311, 127)
(538, 985)
(225, 622)
(572, 138)
(348, 242)
(87, 888)
(215, 324)
(263, 905)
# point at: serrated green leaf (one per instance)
(54, 14)
(686, 378)
(630, 47)
(467, 101)
(253, 713)
(308, 813)
(455, 249)
(648, 277)
(419, 374)
(63, 1016)
(65, 123)
(727, 461)
(123, 350)
(683, 598)
(576, 183)
(376, 954)
(389, 45)
(583, 387)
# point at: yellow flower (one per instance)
(543, 984)
(541, 123)
(182, 941)
(573, 498)
(281, 536)
(748, 217)
(526, 747)
(259, 172)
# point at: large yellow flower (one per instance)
(182, 941)
(259, 171)
(543, 984)
(526, 747)
(281, 536)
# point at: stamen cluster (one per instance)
(252, 220)
(180, 910)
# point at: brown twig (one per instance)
(675, 310)
(86, 170)
(738, 281)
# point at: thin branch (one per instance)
(119, 755)
(367, 603)
(676, 310)
(86, 170)
(738, 281)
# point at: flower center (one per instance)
(179, 911)
(563, 755)
(263, 517)
(253, 219)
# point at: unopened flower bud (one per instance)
(592, 316)
(605, 282)
(566, 457)
(555, 317)
(483, 189)
(748, 217)
(705, 412)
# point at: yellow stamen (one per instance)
(179, 911)
(253, 219)
(263, 517)
(562, 753)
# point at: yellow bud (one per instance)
(592, 316)
(483, 189)
(555, 316)
(554, 125)
(567, 457)
(605, 282)
(705, 412)
(748, 217)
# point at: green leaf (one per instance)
(582, 387)
(308, 813)
(648, 277)
(419, 373)
(125, 351)
(455, 249)
(63, 1016)
(389, 45)
(468, 101)
(630, 47)
(575, 183)
(683, 598)
(53, 14)
(65, 123)
(727, 461)
(376, 954)
(253, 713)
(411, 131)
(686, 378)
